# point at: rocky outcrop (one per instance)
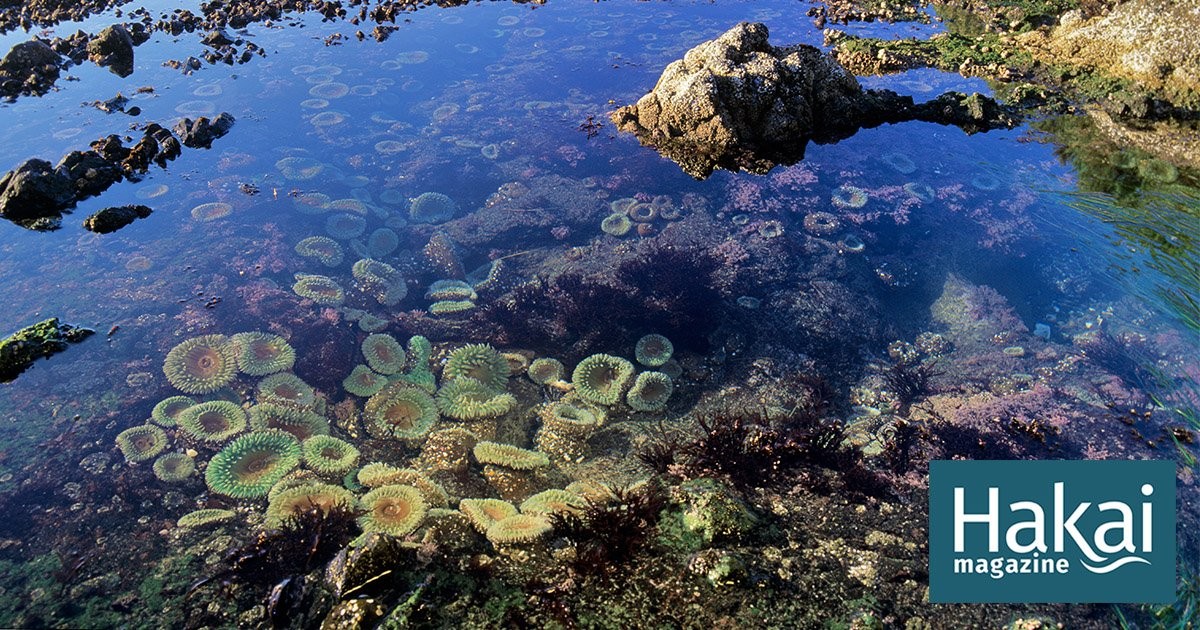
(33, 191)
(30, 67)
(114, 218)
(739, 103)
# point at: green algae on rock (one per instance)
(19, 350)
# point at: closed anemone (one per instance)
(166, 412)
(653, 350)
(248, 466)
(327, 455)
(509, 456)
(285, 505)
(571, 417)
(650, 391)
(383, 353)
(432, 207)
(450, 290)
(287, 387)
(141, 443)
(201, 365)
(396, 510)
(345, 226)
(850, 197)
(480, 362)
(203, 518)
(259, 354)
(601, 378)
(450, 307)
(468, 399)
(174, 467)
(519, 528)
(400, 411)
(213, 422)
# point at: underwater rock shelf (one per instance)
(19, 350)
(739, 103)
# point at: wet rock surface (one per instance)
(113, 49)
(739, 103)
(30, 67)
(35, 194)
(19, 350)
(114, 218)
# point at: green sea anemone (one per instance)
(601, 378)
(142, 443)
(851, 197)
(545, 370)
(287, 387)
(259, 354)
(363, 381)
(203, 518)
(921, 192)
(553, 502)
(642, 212)
(650, 391)
(900, 162)
(248, 466)
(174, 467)
(616, 224)
(468, 399)
(518, 528)
(166, 412)
(570, 417)
(400, 411)
(509, 456)
(213, 422)
(396, 510)
(381, 280)
(483, 513)
(770, 229)
(480, 362)
(517, 363)
(326, 250)
(376, 474)
(653, 350)
(289, 503)
(382, 242)
(201, 365)
(371, 323)
(450, 290)
(321, 289)
(383, 353)
(450, 307)
(345, 226)
(301, 422)
(299, 168)
(419, 350)
(821, 223)
(328, 455)
(432, 207)
(622, 205)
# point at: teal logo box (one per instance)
(1052, 531)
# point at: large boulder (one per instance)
(201, 132)
(35, 190)
(739, 103)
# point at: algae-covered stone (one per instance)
(710, 511)
(19, 350)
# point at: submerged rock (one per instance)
(201, 132)
(19, 350)
(739, 103)
(115, 218)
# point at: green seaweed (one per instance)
(19, 350)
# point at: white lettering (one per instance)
(991, 518)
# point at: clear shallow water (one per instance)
(465, 102)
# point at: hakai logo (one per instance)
(1053, 531)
